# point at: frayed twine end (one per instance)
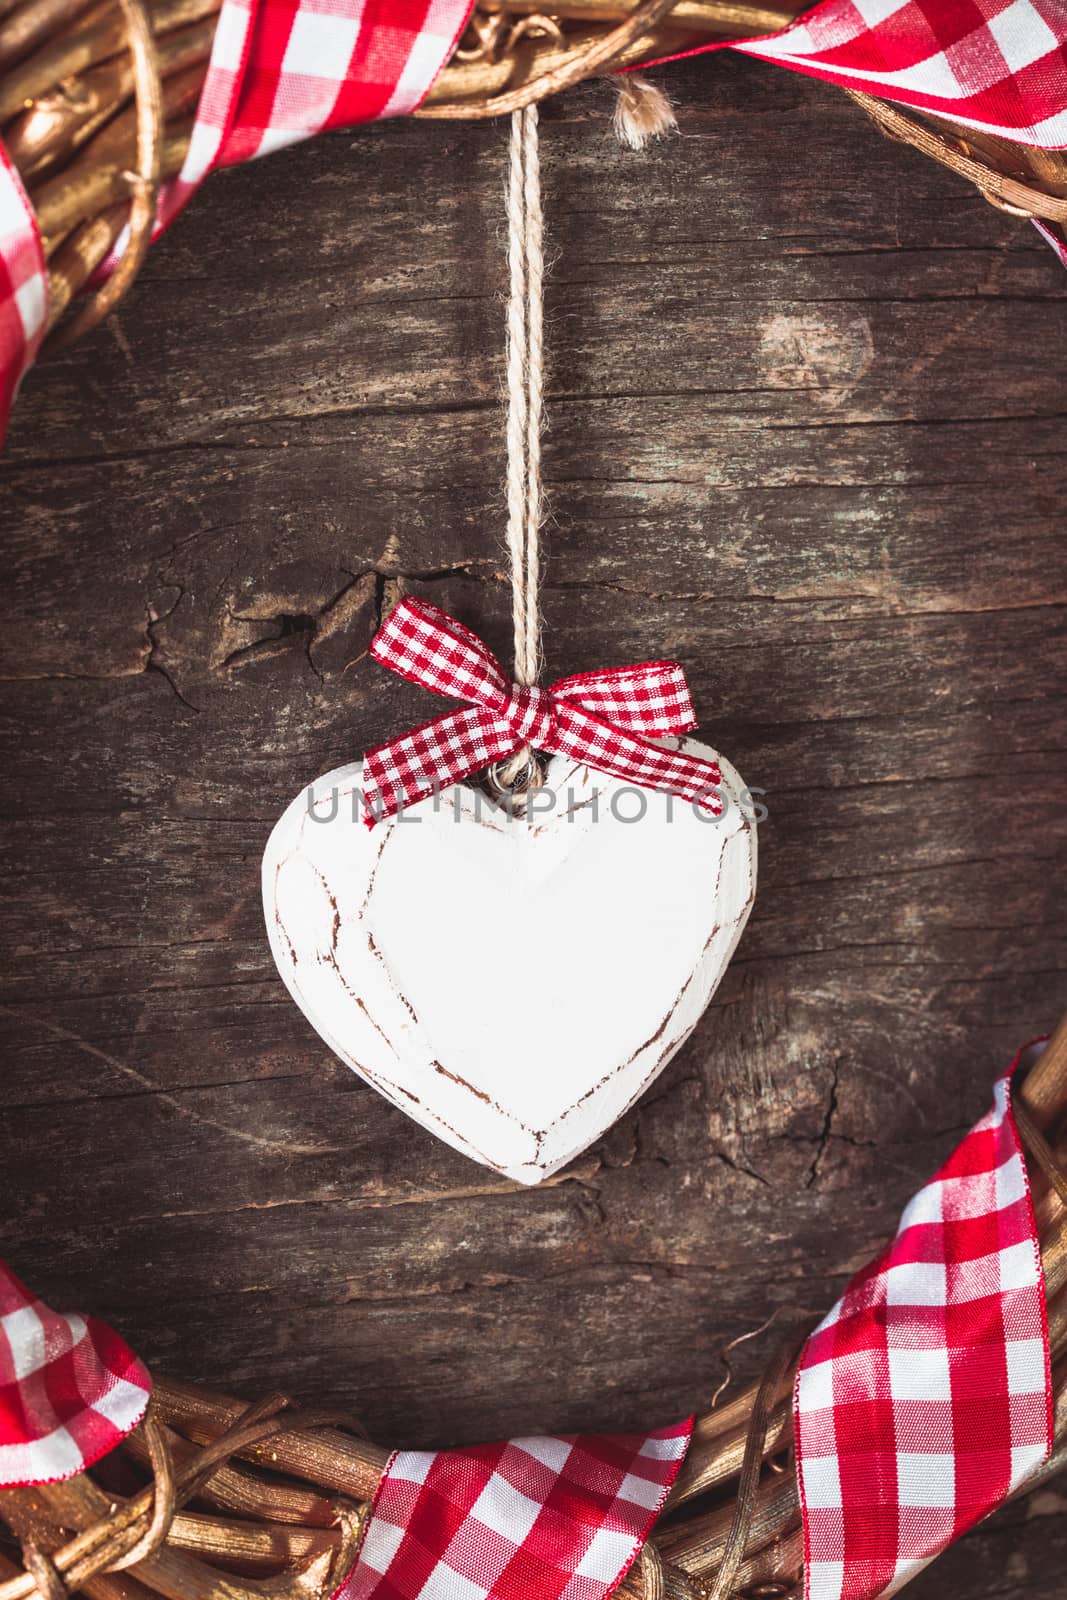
(642, 111)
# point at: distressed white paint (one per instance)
(514, 984)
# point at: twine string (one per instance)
(525, 385)
(525, 395)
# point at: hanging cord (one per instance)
(525, 390)
(525, 381)
(647, 115)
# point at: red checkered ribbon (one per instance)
(70, 1389)
(602, 718)
(23, 285)
(555, 1518)
(922, 1401)
(282, 70)
(925, 1397)
(999, 65)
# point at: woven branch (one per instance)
(210, 1499)
(69, 82)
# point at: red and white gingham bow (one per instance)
(602, 718)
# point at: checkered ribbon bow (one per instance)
(603, 718)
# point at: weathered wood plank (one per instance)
(806, 432)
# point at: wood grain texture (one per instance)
(806, 432)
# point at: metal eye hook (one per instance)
(513, 784)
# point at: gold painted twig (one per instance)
(73, 53)
(58, 124)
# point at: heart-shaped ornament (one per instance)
(512, 982)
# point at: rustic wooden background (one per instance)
(807, 433)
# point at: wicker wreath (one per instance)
(96, 106)
(280, 1496)
(97, 99)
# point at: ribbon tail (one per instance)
(420, 642)
(429, 758)
(607, 748)
(650, 699)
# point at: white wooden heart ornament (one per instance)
(513, 984)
